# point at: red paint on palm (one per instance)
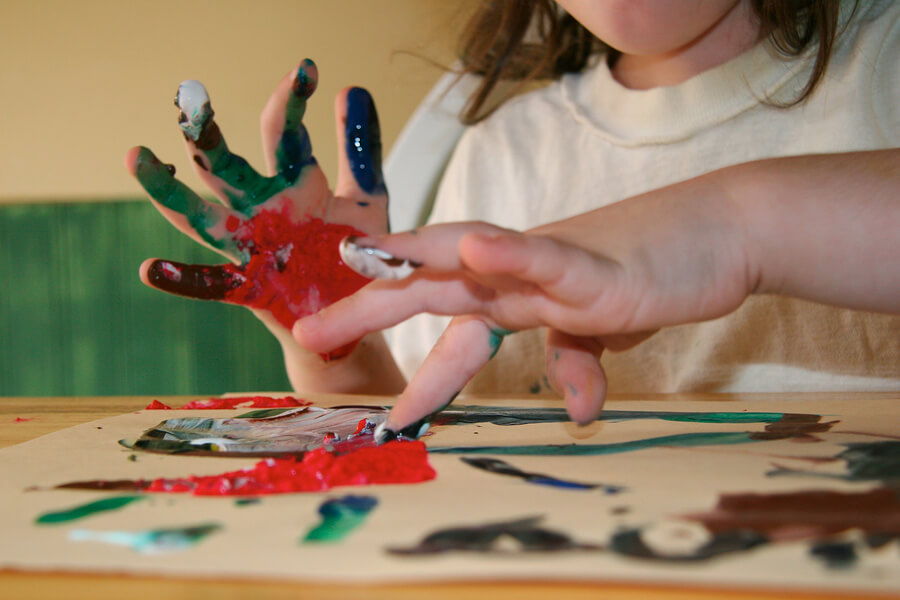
(295, 268)
(318, 470)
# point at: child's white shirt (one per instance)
(586, 141)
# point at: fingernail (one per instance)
(373, 262)
(196, 111)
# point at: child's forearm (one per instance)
(824, 227)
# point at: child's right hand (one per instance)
(606, 279)
(280, 232)
(820, 227)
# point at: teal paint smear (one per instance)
(340, 516)
(161, 185)
(151, 541)
(252, 188)
(85, 510)
(684, 440)
(496, 338)
(865, 461)
(721, 417)
(507, 416)
(247, 501)
(294, 151)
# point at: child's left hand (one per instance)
(280, 232)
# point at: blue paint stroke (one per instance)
(500, 467)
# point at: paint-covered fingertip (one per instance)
(363, 141)
(195, 110)
(306, 79)
(385, 432)
(361, 255)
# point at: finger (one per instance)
(286, 142)
(228, 175)
(361, 195)
(395, 256)
(573, 369)
(464, 348)
(565, 272)
(209, 223)
(383, 304)
(202, 282)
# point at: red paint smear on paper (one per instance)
(318, 470)
(295, 268)
(22, 419)
(157, 405)
(234, 402)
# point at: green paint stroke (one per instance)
(86, 510)
(150, 541)
(340, 516)
(684, 440)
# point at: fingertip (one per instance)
(362, 140)
(583, 410)
(306, 79)
(131, 158)
(144, 270)
(305, 329)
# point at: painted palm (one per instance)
(280, 232)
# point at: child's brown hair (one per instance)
(494, 44)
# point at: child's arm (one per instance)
(280, 231)
(825, 228)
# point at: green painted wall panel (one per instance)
(76, 320)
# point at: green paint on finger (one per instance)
(340, 516)
(496, 338)
(85, 510)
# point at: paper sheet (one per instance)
(644, 488)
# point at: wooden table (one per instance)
(22, 419)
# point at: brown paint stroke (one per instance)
(805, 514)
(798, 427)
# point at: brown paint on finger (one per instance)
(194, 281)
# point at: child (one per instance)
(692, 94)
(690, 90)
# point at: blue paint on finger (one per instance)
(363, 141)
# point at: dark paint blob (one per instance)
(489, 538)
(630, 542)
(835, 554)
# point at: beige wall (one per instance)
(82, 81)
